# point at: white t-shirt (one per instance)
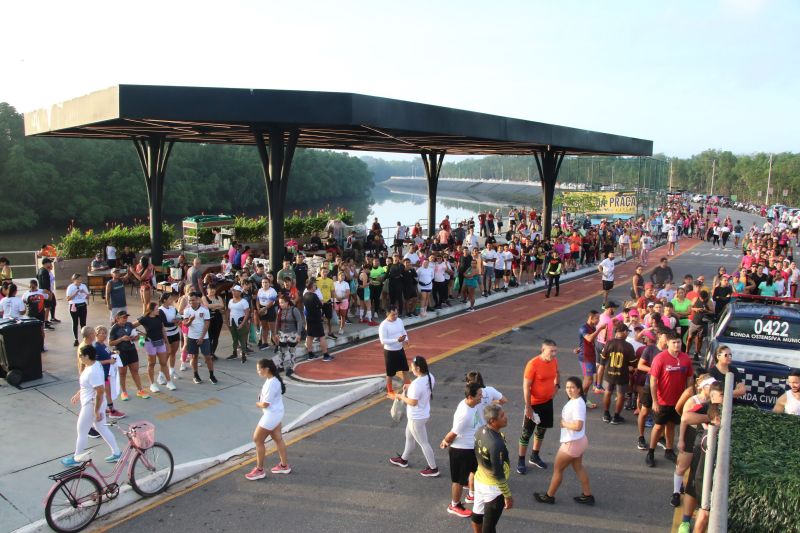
(238, 310)
(425, 278)
(490, 394)
(340, 289)
(608, 269)
(420, 391)
(13, 307)
(265, 296)
(91, 377)
(111, 252)
(489, 258)
(80, 292)
(271, 394)
(466, 421)
(573, 410)
(201, 314)
(412, 257)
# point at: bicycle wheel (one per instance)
(151, 470)
(73, 503)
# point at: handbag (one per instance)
(397, 409)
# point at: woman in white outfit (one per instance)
(92, 398)
(417, 397)
(270, 401)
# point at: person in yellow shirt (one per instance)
(325, 286)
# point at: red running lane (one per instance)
(442, 338)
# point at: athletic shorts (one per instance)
(575, 448)
(589, 369)
(128, 358)
(498, 274)
(342, 305)
(314, 329)
(462, 463)
(395, 361)
(327, 310)
(153, 350)
(484, 496)
(270, 419)
(545, 412)
(268, 316)
(575, 255)
(409, 292)
(174, 338)
(696, 473)
(646, 398)
(621, 388)
(666, 414)
(360, 293)
(197, 346)
(694, 329)
(425, 288)
(608, 285)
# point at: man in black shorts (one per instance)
(612, 371)
(646, 356)
(312, 303)
(393, 336)
(606, 269)
(461, 443)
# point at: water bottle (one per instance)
(141, 341)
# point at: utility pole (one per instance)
(769, 179)
(670, 175)
(713, 173)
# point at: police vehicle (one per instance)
(763, 334)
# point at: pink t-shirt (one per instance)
(609, 331)
(747, 261)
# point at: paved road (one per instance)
(342, 481)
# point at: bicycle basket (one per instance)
(143, 435)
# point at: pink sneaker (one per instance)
(281, 469)
(255, 474)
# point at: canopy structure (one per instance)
(276, 122)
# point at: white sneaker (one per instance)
(174, 375)
(161, 379)
(184, 368)
(171, 385)
(154, 388)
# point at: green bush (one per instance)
(77, 244)
(764, 492)
(251, 229)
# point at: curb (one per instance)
(127, 496)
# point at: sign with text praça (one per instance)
(601, 203)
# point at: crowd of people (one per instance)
(639, 354)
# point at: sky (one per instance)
(689, 75)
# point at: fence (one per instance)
(22, 272)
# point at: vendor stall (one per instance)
(195, 226)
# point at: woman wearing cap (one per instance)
(238, 322)
(77, 293)
(689, 402)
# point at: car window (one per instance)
(768, 330)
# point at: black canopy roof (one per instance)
(337, 121)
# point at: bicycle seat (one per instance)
(85, 456)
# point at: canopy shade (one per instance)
(335, 121)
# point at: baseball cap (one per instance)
(237, 288)
(648, 285)
(633, 312)
(122, 313)
(649, 334)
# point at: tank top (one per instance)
(117, 294)
(792, 404)
(167, 316)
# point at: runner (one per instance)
(573, 445)
(618, 355)
(587, 337)
(541, 379)
(341, 299)
(417, 397)
(155, 345)
(460, 442)
(606, 268)
(670, 375)
(553, 272)
(92, 398)
(270, 401)
(492, 493)
(197, 320)
(393, 336)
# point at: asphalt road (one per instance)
(343, 482)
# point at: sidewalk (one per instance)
(206, 424)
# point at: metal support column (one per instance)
(548, 162)
(432, 161)
(276, 163)
(154, 151)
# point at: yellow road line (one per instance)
(446, 333)
(487, 319)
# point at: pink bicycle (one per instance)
(75, 498)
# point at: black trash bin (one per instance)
(21, 342)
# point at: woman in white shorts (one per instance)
(270, 402)
(573, 446)
(92, 398)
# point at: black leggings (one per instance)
(491, 514)
(439, 292)
(375, 297)
(552, 280)
(78, 318)
(214, 329)
(396, 293)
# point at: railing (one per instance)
(718, 461)
(25, 268)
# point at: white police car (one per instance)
(763, 334)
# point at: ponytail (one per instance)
(270, 365)
(422, 364)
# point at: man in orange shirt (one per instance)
(575, 242)
(539, 386)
